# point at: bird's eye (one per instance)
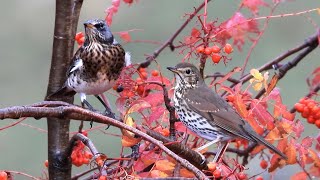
(98, 26)
(188, 71)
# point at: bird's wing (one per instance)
(75, 65)
(216, 109)
(223, 115)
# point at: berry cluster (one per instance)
(128, 87)
(3, 175)
(216, 172)
(214, 51)
(79, 154)
(309, 110)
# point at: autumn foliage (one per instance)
(141, 103)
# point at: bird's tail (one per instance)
(262, 141)
(62, 92)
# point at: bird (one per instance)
(95, 66)
(207, 114)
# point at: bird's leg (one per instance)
(221, 149)
(85, 102)
(108, 111)
(81, 123)
(207, 145)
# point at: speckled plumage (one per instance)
(96, 65)
(206, 113)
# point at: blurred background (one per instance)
(25, 53)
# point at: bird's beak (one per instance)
(173, 69)
(88, 25)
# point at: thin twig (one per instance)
(286, 67)
(169, 42)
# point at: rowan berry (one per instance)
(200, 49)
(317, 123)
(3, 175)
(207, 51)
(242, 176)
(215, 49)
(299, 107)
(217, 173)
(228, 48)
(216, 58)
(155, 73)
(46, 163)
(259, 178)
(212, 166)
(264, 164)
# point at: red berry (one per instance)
(317, 123)
(216, 58)
(207, 51)
(215, 49)
(212, 166)
(46, 163)
(142, 69)
(264, 164)
(200, 49)
(259, 178)
(217, 173)
(242, 176)
(139, 80)
(317, 115)
(228, 48)
(140, 90)
(3, 175)
(155, 73)
(315, 109)
(143, 75)
(102, 178)
(311, 120)
(304, 101)
(311, 104)
(299, 107)
(305, 112)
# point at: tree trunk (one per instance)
(66, 19)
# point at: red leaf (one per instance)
(299, 176)
(125, 36)
(195, 33)
(261, 114)
(253, 5)
(156, 113)
(120, 104)
(179, 126)
(154, 99)
(314, 79)
(238, 27)
(298, 128)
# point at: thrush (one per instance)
(207, 114)
(95, 66)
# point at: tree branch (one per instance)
(74, 112)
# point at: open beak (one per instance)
(88, 25)
(173, 69)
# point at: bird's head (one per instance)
(97, 30)
(187, 75)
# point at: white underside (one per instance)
(94, 88)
